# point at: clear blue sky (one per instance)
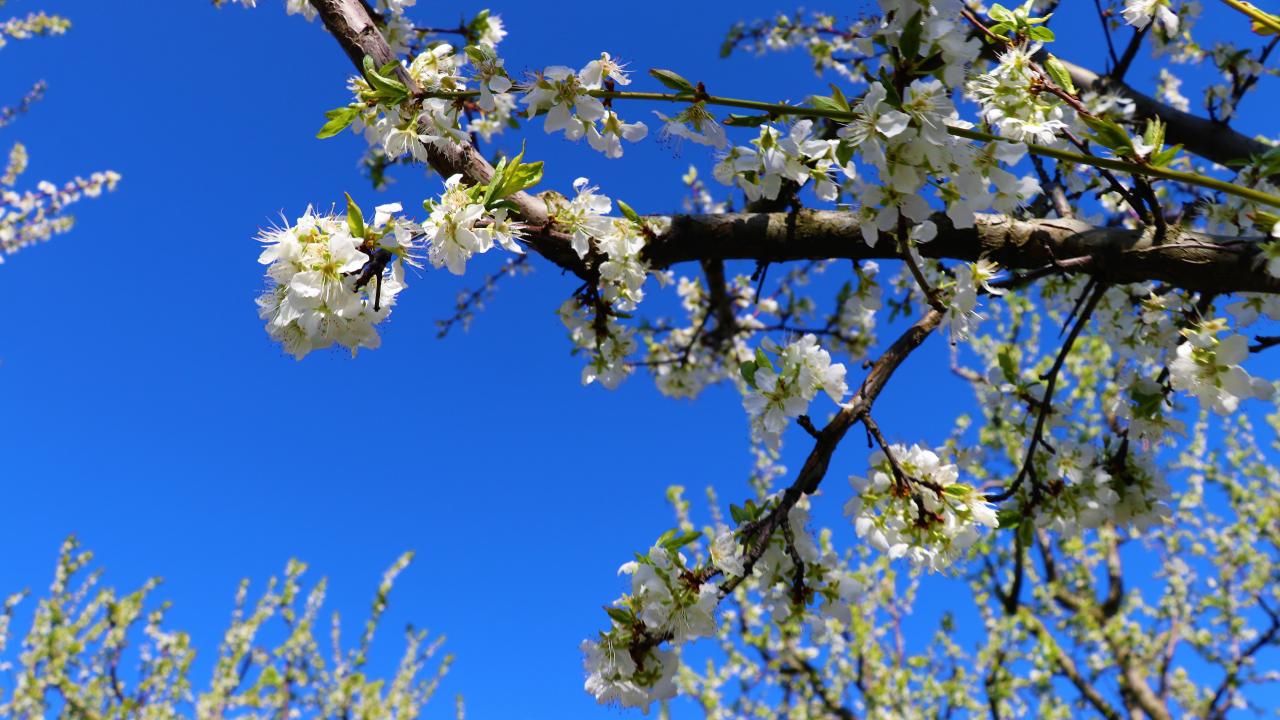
(145, 409)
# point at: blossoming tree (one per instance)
(32, 216)
(1100, 260)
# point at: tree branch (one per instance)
(1190, 260)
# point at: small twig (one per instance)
(1047, 401)
(1106, 31)
(1118, 72)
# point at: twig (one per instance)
(1047, 401)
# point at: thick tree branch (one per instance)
(1191, 260)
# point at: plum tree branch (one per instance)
(1186, 259)
(1190, 260)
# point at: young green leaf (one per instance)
(1109, 134)
(339, 119)
(355, 218)
(629, 214)
(620, 616)
(746, 120)
(825, 103)
(672, 80)
(676, 542)
(1059, 74)
(909, 44)
(1040, 33)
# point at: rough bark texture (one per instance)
(1186, 259)
(1192, 260)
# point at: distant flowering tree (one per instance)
(93, 653)
(1099, 258)
(33, 216)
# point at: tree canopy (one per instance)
(1103, 263)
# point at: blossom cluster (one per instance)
(775, 157)
(36, 23)
(928, 516)
(607, 343)
(686, 359)
(459, 226)
(324, 290)
(1012, 104)
(1102, 487)
(667, 602)
(565, 97)
(415, 128)
(818, 35)
(616, 245)
(1208, 367)
(34, 216)
(859, 307)
(1140, 13)
(970, 279)
(783, 391)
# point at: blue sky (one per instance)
(146, 410)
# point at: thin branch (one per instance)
(1046, 403)
(1130, 52)
(1106, 32)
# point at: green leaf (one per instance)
(1026, 531)
(1264, 221)
(839, 97)
(499, 171)
(629, 214)
(524, 177)
(481, 54)
(1000, 13)
(748, 370)
(1166, 156)
(891, 94)
(622, 617)
(957, 490)
(678, 541)
(1153, 135)
(1009, 519)
(844, 151)
(1041, 33)
(1008, 368)
(825, 103)
(355, 218)
(746, 120)
(762, 360)
(339, 119)
(1109, 134)
(909, 44)
(515, 177)
(385, 88)
(1058, 72)
(998, 29)
(672, 80)
(738, 514)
